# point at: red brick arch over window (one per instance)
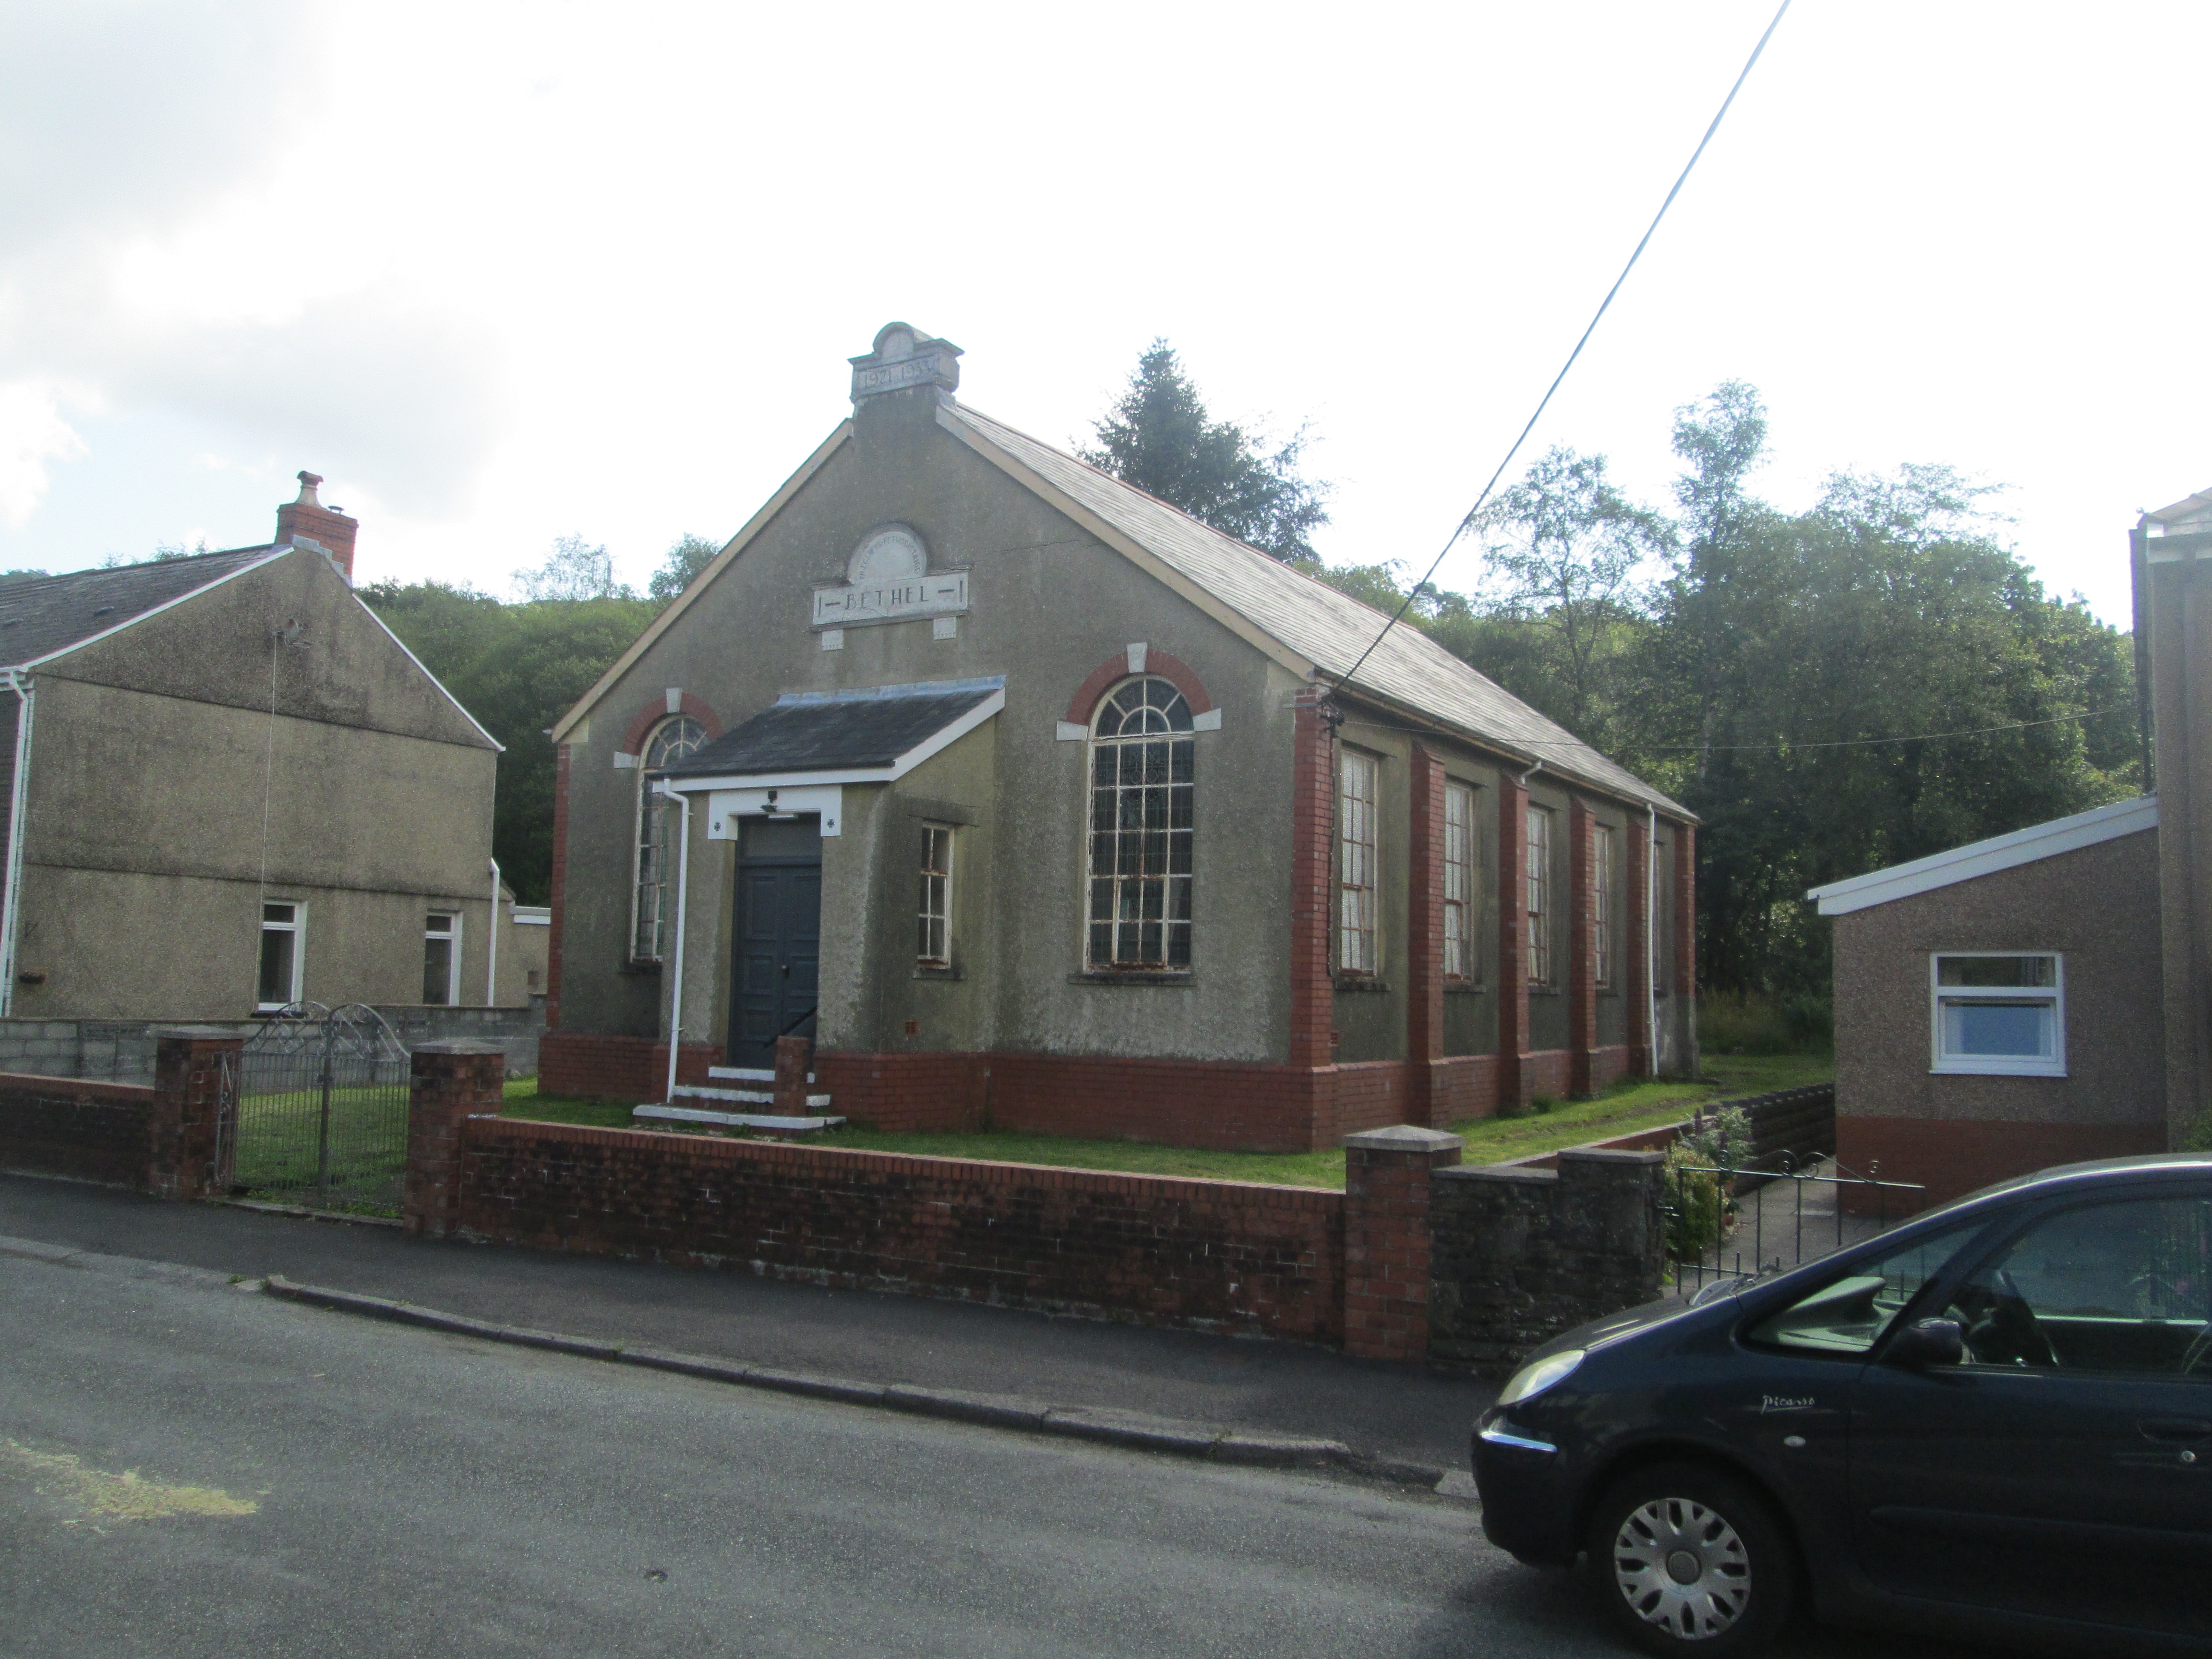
(633, 741)
(1115, 669)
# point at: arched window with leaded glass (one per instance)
(652, 902)
(1137, 910)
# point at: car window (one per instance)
(2119, 1287)
(1847, 1315)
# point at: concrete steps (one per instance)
(736, 1097)
(651, 1115)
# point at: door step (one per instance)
(737, 1096)
(789, 1126)
(743, 1074)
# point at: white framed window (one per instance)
(1539, 864)
(1358, 950)
(1137, 909)
(442, 958)
(933, 938)
(1460, 959)
(1602, 903)
(1999, 1013)
(653, 898)
(284, 933)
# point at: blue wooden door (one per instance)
(776, 967)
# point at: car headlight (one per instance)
(1532, 1380)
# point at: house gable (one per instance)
(286, 627)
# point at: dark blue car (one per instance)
(1993, 1421)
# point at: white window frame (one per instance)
(934, 902)
(1601, 951)
(1536, 859)
(1143, 872)
(452, 934)
(2051, 996)
(297, 928)
(1462, 962)
(652, 871)
(1359, 873)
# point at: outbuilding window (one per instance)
(934, 940)
(1356, 949)
(442, 958)
(282, 928)
(1459, 882)
(1138, 909)
(652, 900)
(1998, 1013)
(1540, 896)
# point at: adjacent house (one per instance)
(2001, 1008)
(225, 787)
(1038, 803)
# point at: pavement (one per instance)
(1075, 1376)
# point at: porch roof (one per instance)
(846, 737)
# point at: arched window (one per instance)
(1141, 753)
(653, 900)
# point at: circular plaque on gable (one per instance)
(891, 553)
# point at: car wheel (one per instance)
(1691, 1560)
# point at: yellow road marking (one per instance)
(126, 1496)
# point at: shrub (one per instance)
(1693, 1206)
(1732, 1023)
(2199, 1136)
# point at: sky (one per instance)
(504, 273)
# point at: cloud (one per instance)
(33, 435)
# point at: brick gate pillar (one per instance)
(453, 1082)
(1386, 1238)
(195, 1067)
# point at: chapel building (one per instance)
(1039, 805)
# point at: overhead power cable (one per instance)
(1775, 748)
(1461, 529)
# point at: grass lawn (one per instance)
(1492, 1141)
(279, 1146)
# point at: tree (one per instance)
(1562, 549)
(573, 570)
(681, 567)
(1160, 437)
(517, 668)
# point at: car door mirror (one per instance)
(1927, 1342)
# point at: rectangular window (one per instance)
(1459, 883)
(1357, 951)
(280, 927)
(934, 940)
(2001, 1014)
(1540, 896)
(1602, 903)
(442, 958)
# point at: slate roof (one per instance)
(850, 731)
(1327, 628)
(44, 615)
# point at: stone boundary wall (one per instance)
(1522, 1254)
(98, 1132)
(122, 1051)
(1204, 1254)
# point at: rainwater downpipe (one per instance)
(492, 965)
(682, 897)
(19, 790)
(1651, 943)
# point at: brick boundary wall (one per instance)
(601, 1067)
(160, 1139)
(98, 1132)
(1204, 1254)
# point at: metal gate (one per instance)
(1741, 1222)
(321, 1118)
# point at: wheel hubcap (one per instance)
(1682, 1567)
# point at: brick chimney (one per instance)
(308, 523)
